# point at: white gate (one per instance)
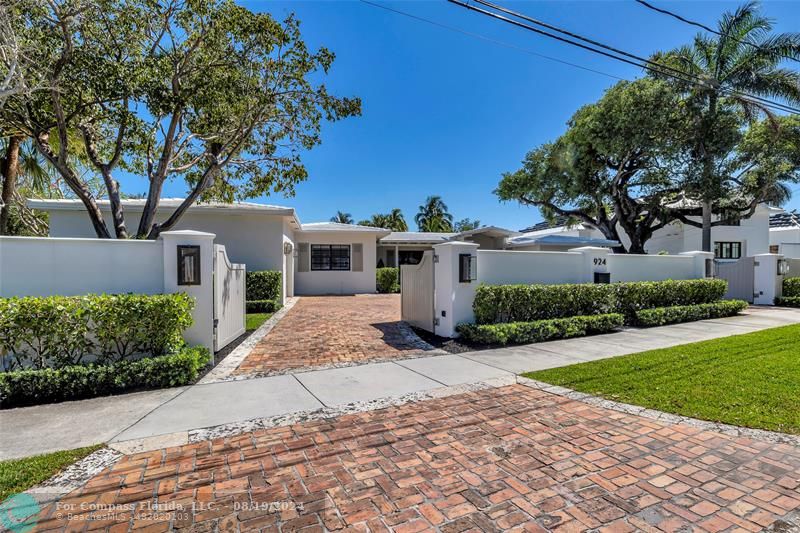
(416, 292)
(229, 299)
(740, 277)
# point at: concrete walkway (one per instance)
(39, 429)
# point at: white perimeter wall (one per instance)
(253, 239)
(650, 267)
(333, 281)
(32, 266)
(499, 267)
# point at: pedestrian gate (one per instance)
(416, 293)
(740, 277)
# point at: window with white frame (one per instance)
(330, 257)
(727, 250)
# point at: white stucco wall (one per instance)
(632, 267)
(253, 239)
(498, 267)
(333, 281)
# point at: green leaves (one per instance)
(59, 331)
(688, 313)
(540, 330)
(263, 285)
(387, 280)
(791, 287)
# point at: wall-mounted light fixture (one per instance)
(287, 248)
(783, 267)
(188, 265)
(467, 268)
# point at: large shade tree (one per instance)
(209, 93)
(721, 71)
(433, 216)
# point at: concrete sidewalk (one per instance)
(31, 430)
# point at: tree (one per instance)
(393, 221)
(744, 58)
(208, 92)
(466, 224)
(342, 218)
(433, 216)
(618, 166)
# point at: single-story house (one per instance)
(731, 241)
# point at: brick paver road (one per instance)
(329, 330)
(499, 459)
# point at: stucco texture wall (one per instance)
(332, 281)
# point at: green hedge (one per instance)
(263, 285)
(525, 303)
(540, 330)
(386, 280)
(791, 287)
(688, 313)
(59, 331)
(48, 385)
(788, 301)
(262, 306)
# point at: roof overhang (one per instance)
(559, 240)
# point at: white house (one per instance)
(743, 238)
(784, 234)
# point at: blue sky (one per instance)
(445, 113)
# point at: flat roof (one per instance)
(337, 226)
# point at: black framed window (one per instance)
(188, 265)
(727, 250)
(330, 257)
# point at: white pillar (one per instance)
(595, 259)
(452, 299)
(202, 330)
(703, 263)
(397, 257)
(767, 283)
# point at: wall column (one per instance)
(201, 331)
(595, 259)
(703, 263)
(767, 283)
(452, 302)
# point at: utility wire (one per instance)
(489, 39)
(611, 52)
(703, 26)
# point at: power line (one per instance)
(703, 26)
(489, 39)
(611, 52)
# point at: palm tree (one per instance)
(433, 216)
(395, 220)
(743, 57)
(24, 173)
(342, 218)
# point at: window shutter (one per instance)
(303, 257)
(358, 257)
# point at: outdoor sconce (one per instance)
(710, 268)
(602, 277)
(188, 265)
(467, 268)
(783, 267)
(287, 248)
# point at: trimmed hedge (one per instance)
(788, 301)
(525, 303)
(386, 280)
(791, 287)
(262, 306)
(688, 313)
(48, 385)
(540, 330)
(263, 285)
(59, 331)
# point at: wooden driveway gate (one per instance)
(740, 278)
(416, 293)
(229, 299)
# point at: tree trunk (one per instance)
(10, 172)
(709, 187)
(706, 226)
(117, 216)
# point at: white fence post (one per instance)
(703, 263)
(202, 331)
(595, 259)
(767, 283)
(452, 299)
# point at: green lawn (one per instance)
(750, 380)
(18, 475)
(254, 320)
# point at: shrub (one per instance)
(524, 303)
(59, 331)
(540, 330)
(688, 313)
(788, 301)
(48, 385)
(386, 280)
(791, 287)
(263, 285)
(262, 306)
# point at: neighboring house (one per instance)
(410, 245)
(743, 238)
(784, 234)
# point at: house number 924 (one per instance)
(599, 261)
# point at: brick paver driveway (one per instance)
(331, 330)
(497, 459)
